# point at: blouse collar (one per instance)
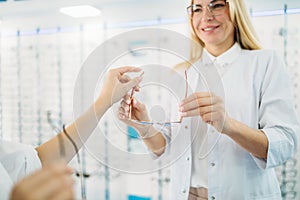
(225, 58)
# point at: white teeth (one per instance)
(208, 29)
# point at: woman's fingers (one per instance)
(206, 105)
(138, 105)
(196, 96)
(213, 117)
(125, 105)
(122, 111)
(138, 110)
(200, 111)
(125, 78)
(197, 103)
(197, 100)
(117, 84)
(127, 99)
(133, 83)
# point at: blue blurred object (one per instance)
(132, 133)
(133, 197)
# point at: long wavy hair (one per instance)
(244, 33)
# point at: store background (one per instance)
(42, 51)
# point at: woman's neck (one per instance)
(217, 50)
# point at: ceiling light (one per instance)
(80, 11)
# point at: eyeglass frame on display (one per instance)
(290, 164)
(288, 185)
(284, 195)
(289, 173)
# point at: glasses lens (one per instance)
(194, 9)
(216, 8)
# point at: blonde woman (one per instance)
(251, 131)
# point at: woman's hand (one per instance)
(51, 182)
(209, 107)
(152, 138)
(117, 84)
(138, 112)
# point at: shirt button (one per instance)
(213, 198)
(212, 164)
(183, 190)
(186, 127)
(187, 158)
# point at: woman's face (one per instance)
(214, 28)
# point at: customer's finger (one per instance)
(125, 69)
(132, 83)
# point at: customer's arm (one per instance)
(115, 87)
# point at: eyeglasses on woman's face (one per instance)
(215, 8)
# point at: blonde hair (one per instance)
(244, 34)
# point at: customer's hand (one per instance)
(117, 84)
(50, 183)
(209, 107)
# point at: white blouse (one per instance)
(16, 161)
(256, 91)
